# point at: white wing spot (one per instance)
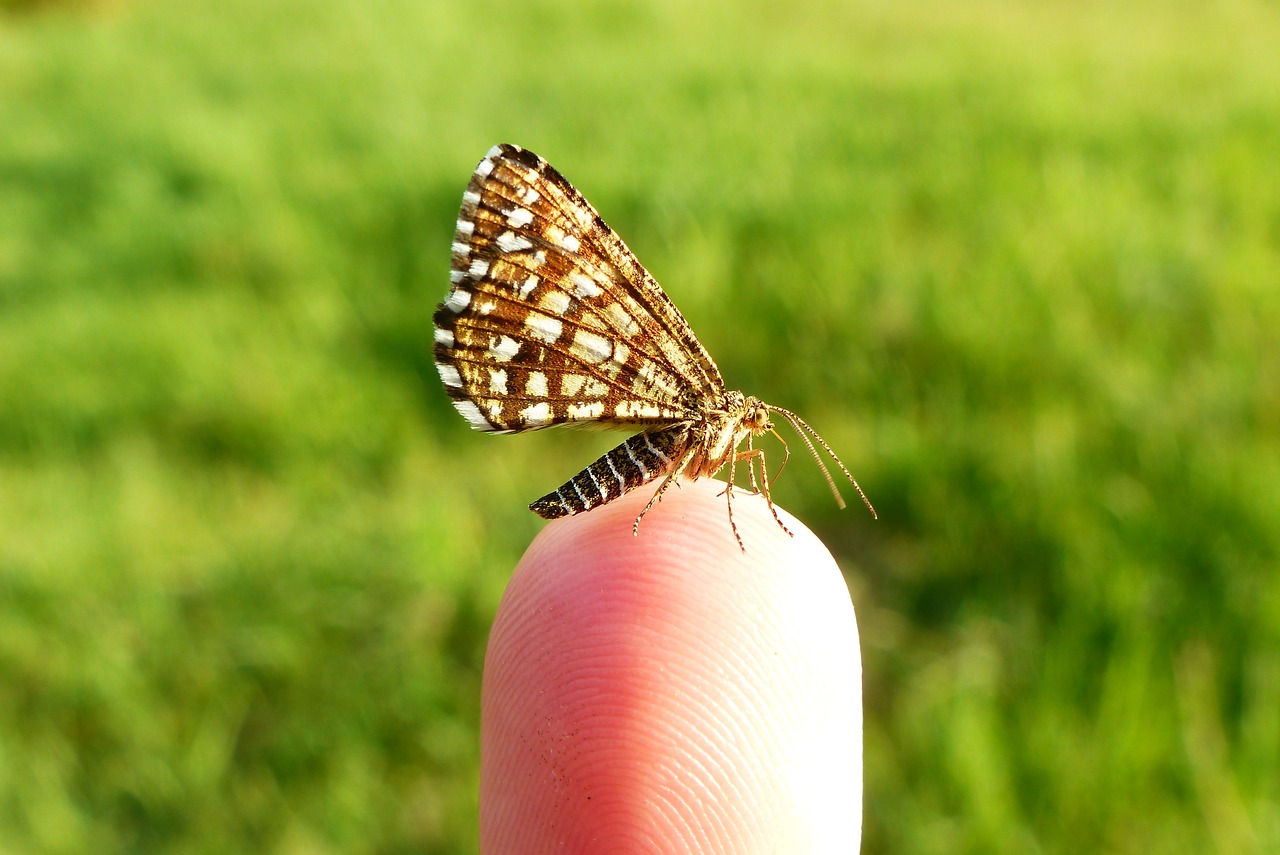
(571, 384)
(512, 242)
(471, 199)
(591, 347)
(486, 165)
(518, 218)
(537, 415)
(449, 375)
(527, 288)
(570, 243)
(536, 387)
(465, 227)
(498, 381)
(637, 410)
(455, 276)
(584, 285)
(659, 382)
(486, 308)
(458, 300)
(555, 302)
(458, 248)
(478, 269)
(472, 414)
(503, 349)
(444, 337)
(621, 319)
(544, 328)
(586, 412)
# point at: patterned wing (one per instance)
(552, 320)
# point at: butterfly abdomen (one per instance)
(634, 463)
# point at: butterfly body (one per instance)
(698, 448)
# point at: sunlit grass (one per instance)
(1018, 263)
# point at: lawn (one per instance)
(1018, 262)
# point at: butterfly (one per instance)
(551, 320)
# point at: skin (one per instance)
(669, 693)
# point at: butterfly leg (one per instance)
(752, 456)
(728, 498)
(676, 471)
(751, 472)
(757, 486)
(786, 455)
(751, 469)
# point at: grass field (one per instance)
(1018, 262)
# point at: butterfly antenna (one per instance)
(803, 430)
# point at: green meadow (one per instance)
(1018, 262)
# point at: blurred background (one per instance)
(1018, 262)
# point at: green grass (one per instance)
(1020, 264)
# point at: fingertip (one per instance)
(672, 688)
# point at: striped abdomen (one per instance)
(635, 462)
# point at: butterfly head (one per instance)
(756, 416)
(748, 415)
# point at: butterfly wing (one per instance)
(552, 320)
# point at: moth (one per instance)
(551, 320)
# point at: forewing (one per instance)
(551, 319)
